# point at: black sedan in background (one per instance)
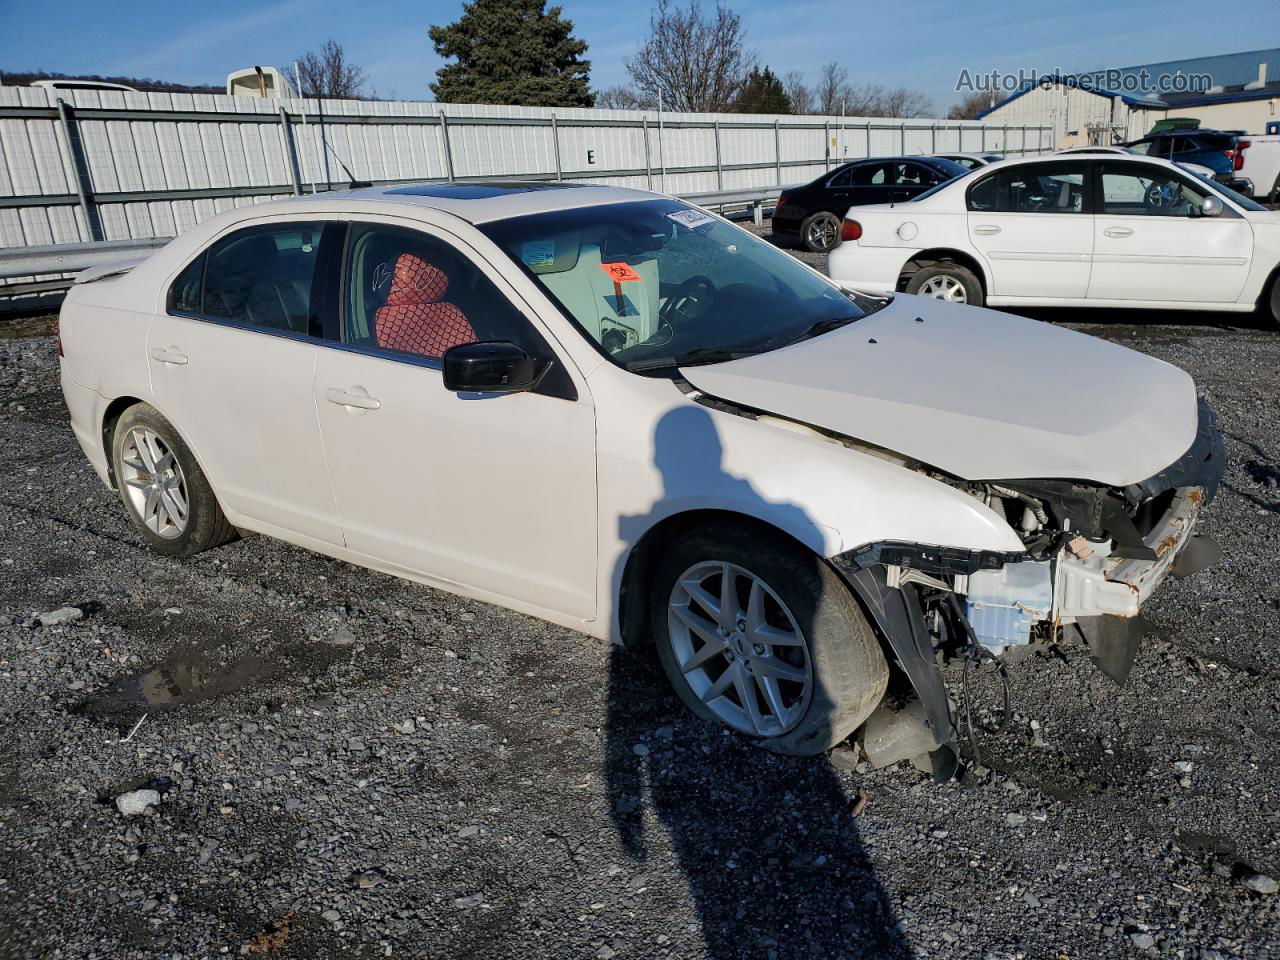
(812, 213)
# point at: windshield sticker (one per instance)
(539, 253)
(691, 218)
(621, 273)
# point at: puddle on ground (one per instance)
(1216, 854)
(188, 677)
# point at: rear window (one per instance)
(1214, 141)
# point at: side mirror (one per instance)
(1211, 207)
(493, 366)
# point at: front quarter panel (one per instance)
(661, 454)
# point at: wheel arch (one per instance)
(639, 564)
(926, 258)
(110, 417)
(1269, 287)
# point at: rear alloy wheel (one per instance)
(1271, 305)
(820, 232)
(947, 281)
(759, 634)
(163, 488)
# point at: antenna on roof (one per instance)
(354, 184)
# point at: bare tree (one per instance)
(798, 92)
(905, 103)
(693, 62)
(831, 89)
(329, 74)
(624, 98)
(971, 105)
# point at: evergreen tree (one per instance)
(762, 92)
(512, 52)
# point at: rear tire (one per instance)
(820, 232)
(165, 493)
(1271, 303)
(826, 686)
(947, 281)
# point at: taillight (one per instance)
(57, 334)
(851, 230)
(782, 199)
(1237, 162)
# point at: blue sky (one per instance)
(922, 44)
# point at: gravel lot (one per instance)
(347, 765)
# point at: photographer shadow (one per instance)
(768, 844)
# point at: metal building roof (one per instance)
(1230, 73)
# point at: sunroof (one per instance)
(478, 191)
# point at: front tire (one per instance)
(947, 281)
(820, 232)
(165, 493)
(759, 634)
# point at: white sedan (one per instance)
(617, 412)
(1088, 230)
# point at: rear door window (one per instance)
(874, 174)
(260, 277)
(1034, 188)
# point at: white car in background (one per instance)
(1079, 231)
(627, 416)
(970, 161)
(1197, 169)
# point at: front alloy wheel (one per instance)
(740, 649)
(757, 632)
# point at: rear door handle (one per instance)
(357, 398)
(986, 230)
(172, 355)
(1118, 231)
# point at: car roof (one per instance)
(485, 201)
(1084, 155)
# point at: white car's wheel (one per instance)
(947, 281)
(163, 488)
(759, 634)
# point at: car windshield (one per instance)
(658, 284)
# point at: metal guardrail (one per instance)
(68, 258)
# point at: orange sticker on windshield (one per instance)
(621, 273)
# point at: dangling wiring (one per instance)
(975, 653)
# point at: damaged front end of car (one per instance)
(1092, 556)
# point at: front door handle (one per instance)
(1118, 231)
(986, 230)
(356, 398)
(172, 355)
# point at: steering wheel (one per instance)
(1162, 196)
(690, 301)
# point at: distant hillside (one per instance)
(24, 78)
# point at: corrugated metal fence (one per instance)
(79, 166)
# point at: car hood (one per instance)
(979, 394)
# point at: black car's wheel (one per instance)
(163, 488)
(757, 633)
(945, 280)
(820, 232)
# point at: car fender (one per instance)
(662, 453)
